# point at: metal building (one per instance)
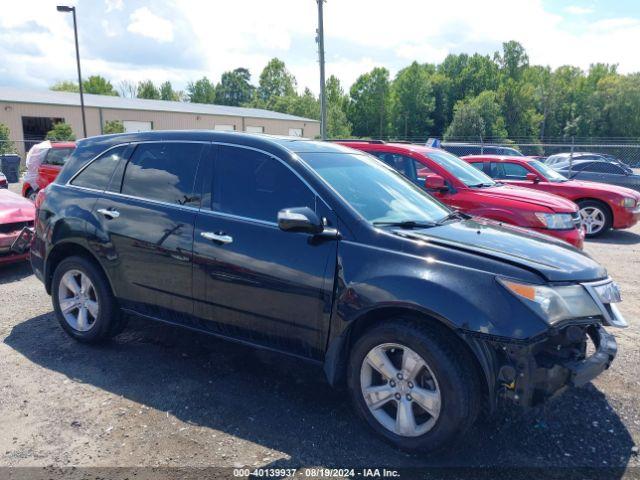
(30, 114)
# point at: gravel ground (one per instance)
(160, 396)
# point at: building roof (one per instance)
(50, 97)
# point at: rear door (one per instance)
(253, 281)
(146, 220)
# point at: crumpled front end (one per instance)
(567, 357)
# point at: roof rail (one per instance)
(355, 140)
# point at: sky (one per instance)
(183, 40)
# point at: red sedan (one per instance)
(15, 214)
(50, 162)
(457, 184)
(601, 206)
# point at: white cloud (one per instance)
(146, 23)
(359, 35)
(578, 10)
(112, 5)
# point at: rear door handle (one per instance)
(217, 237)
(109, 213)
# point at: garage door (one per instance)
(224, 128)
(295, 132)
(132, 126)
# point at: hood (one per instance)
(14, 208)
(550, 258)
(529, 196)
(602, 187)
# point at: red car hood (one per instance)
(602, 188)
(14, 208)
(532, 197)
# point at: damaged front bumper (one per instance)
(566, 357)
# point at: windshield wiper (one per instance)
(481, 185)
(408, 224)
(453, 215)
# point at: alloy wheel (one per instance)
(592, 219)
(400, 390)
(78, 300)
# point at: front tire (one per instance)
(413, 385)
(83, 302)
(595, 217)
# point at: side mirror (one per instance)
(435, 182)
(532, 177)
(301, 219)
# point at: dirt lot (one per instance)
(159, 396)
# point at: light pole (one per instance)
(67, 9)
(323, 98)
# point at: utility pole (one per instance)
(67, 9)
(323, 97)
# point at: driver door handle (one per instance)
(217, 237)
(109, 213)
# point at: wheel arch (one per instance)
(68, 249)
(336, 359)
(597, 200)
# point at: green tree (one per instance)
(276, 82)
(98, 85)
(477, 118)
(146, 89)
(368, 109)
(234, 88)
(113, 126)
(61, 132)
(513, 60)
(6, 145)
(65, 86)
(202, 91)
(168, 93)
(412, 101)
(519, 109)
(338, 125)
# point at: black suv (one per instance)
(322, 252)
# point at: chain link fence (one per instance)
(624, 149)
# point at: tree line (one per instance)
(473, 97)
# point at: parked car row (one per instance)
(321, 251)
(601, 206)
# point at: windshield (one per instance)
(375, 191)
(460, 169)
(548, 172)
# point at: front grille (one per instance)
(14, 227)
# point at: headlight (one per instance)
(628, 202)
(556, 221)
(554, 304)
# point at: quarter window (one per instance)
(98, 172)
(254, 185)
(163, 172)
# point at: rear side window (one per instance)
(163, 171)
(58, 156)
(98, 173)
(254, 185)
(603, 167)
(508, 171)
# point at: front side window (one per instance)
(377, 193)
(460, 169)
(254, 185)
(163, 171)
(508, 171)
(549, 173)
(58, 156)
(97, 174)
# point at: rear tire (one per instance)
(83, 301)
(596, 217)
(413, 406)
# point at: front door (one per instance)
(148, 218)
(253, 281)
